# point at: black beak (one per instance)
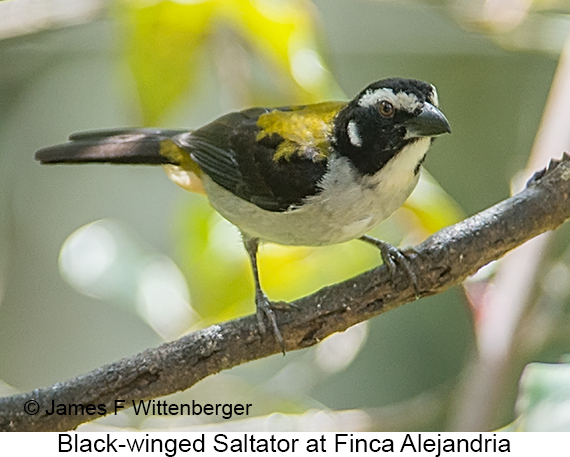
(430, 122)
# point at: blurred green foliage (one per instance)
(163, 41)
(543, 404)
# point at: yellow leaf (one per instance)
(164, 39)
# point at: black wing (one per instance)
(229, 152)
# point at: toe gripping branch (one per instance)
(551, 166)
(394, 258)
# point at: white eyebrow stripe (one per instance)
(371, 97)
(401, 100)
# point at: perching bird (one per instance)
(308, 175)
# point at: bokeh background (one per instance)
(99, 262)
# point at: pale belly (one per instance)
(345, 209)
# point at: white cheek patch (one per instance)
(353, 134)
(401, 100)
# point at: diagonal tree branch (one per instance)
(443, 260)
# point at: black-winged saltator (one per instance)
(304, 175)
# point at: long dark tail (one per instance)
(132, 146)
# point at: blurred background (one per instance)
(100, 262)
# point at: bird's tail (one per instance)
(128, 146)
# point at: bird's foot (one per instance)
(394, 258)
(265, 311)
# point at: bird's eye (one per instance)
(386, 108)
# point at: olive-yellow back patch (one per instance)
(305, 130)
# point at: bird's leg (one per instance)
(262, 303)
(392, 257)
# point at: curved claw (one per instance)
(392, 258)
(264, 308)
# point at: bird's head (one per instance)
(384, 118)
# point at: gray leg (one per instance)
(392, 258)
(262, 303)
